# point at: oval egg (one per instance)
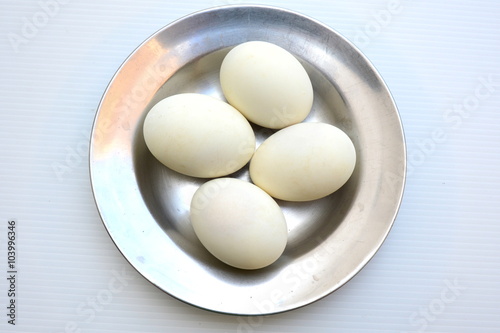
(267, 84)
(238, 223)
(198, 135)
(306, 161)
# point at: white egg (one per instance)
(199, 135)
(306, 161)
(238, 223)
(267, 84)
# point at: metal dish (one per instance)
(145, 206)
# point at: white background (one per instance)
(439, 269)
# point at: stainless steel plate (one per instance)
(145, 206)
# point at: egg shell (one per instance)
(238, 223)
(303, 162)
(267, 84)
(198, 135)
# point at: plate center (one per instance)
(168, 194)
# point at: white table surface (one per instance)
(439, 269)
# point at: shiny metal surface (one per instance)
(145, 206)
